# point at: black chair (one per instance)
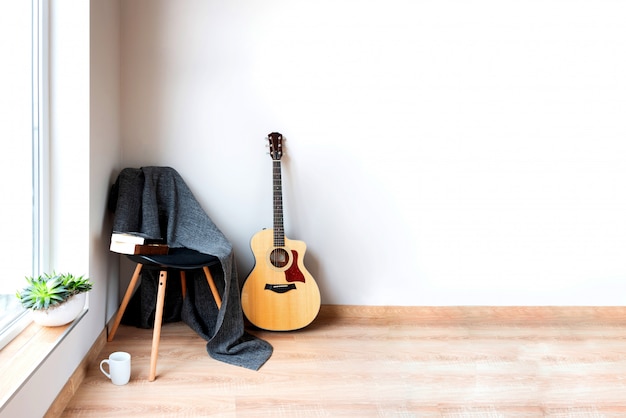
(180, 259)
(155, 202)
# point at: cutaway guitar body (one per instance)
(279, 294)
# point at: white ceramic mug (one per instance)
(119, 367)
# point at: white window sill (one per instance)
(20, 358)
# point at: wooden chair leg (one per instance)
(183, 283)
(158, 320)
(216, 295)
(122, 309)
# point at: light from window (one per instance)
(18, 130)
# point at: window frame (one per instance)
(41, 188)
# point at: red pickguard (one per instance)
(293, 274)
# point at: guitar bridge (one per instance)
(280, 288)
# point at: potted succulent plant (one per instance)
(54, 299)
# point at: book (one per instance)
(132, 248)
(133, 237)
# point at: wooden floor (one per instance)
(384, 362)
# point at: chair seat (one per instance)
(177, 258)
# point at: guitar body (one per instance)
(279, 294)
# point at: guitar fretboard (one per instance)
(279, 229)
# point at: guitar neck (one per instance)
(279, 228)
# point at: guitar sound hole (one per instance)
(279, 257)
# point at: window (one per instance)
(20, 157)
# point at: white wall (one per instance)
(438, 153)
(85, 149)
(105, 151)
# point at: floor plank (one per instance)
(384, 362)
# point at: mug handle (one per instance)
(102, 369)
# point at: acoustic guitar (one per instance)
(279, 294)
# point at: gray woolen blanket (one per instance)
(156, 202)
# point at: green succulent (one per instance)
(48, 290)
(76, 285)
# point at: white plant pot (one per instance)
(60, 314)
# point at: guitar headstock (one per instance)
(276, 145)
